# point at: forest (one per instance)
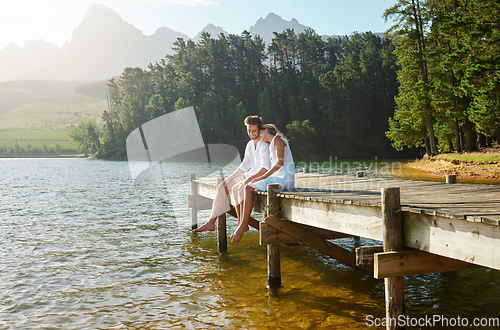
(430, 85)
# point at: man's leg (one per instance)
(247, 211)
(237, 198)
(219, 206)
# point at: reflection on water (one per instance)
(82, 248)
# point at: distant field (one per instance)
(37, 138)
(55, 114)
(47, 113)
(14, 94)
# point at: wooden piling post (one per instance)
(221, 229)
(451, 178)
(194, 191)
(393, 241)
(273, 250)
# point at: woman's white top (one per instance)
(285, 175)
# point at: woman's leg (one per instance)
(247, 211)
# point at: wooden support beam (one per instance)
(271, 235)
(193, 191)
(393, 241)
(273, 204)
(221, 229)
(364, 254)
(324, 233)
(273, 250)
(221, 233)
(316, 242)
(412, 262)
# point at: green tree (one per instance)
(58, 149)
(303, 138)
(17, 148)
(410, 35)
(86, 136)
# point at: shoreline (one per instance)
(473, 167)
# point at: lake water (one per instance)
(83, 248)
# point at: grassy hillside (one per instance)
(56, 114)
(43, 125)
(35, 138)
(14, 94)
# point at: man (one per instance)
(254, 164)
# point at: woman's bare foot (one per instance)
(208, 226)
(238, 233)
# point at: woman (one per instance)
(282, 172)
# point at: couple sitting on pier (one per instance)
(268, 159)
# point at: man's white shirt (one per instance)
(256, 157)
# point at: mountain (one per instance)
(264, 27)
(103, 44)
(100, 47)
(14, 94)
(34, 56)
(213, 30)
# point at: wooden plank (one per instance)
(364, 254)
(473, 242)
(353, 220)
(412, 262)
(316, 242)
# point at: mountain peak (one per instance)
(103, 44)
(265, 27)
(11, 46)
(273, 16)
(100, 18)
(99, 11)
(213, 30)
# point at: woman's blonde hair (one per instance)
(271, 128)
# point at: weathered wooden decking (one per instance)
(424, 226)
(459, 221)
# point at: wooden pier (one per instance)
(423, 227)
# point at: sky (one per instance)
(54, 20)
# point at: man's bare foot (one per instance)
(208, 226)
(238, 233)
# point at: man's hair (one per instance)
(253, 120)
